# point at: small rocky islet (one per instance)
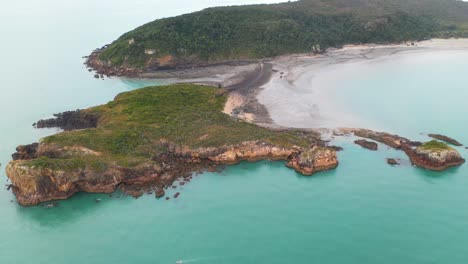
(433, 155)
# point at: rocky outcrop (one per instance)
(367, 144)
(35, 150)
(436, 159)
(390, 140)
(105, 68)
(34, 183)
(252, 151)
(313, 160)
(26, 152)
(162, 67)
(70, 120)
(432, 155)
(159, 193)
(446, 139)
(392, 162)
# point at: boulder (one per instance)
(367, 144)
(160, 193)
(313, 160)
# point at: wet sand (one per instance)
(297, 94)
(289, 91)
(241, 80)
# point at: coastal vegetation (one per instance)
(435, 145)
(262, 31)
(130, 127)
(146, 139)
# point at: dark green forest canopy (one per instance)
(261, 31)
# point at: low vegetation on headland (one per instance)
(263, 31)
(146, 139)
(435, 146)
(149, 138)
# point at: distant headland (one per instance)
(242, 34)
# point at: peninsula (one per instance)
(145, 140)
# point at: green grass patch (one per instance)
(130, 127)
(57, 164)
(435, 145)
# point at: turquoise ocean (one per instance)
(363, 212)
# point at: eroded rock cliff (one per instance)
(40, 179)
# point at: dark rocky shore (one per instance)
(446, 139)
(432, 155)
(70, 120)
(46, 171)
(180, 67)
(33, 185)
(367, 144)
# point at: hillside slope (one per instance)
(262, 31)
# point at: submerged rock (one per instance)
(50, 205)
(367, 144)
(392, 162)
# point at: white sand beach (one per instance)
(300, 92)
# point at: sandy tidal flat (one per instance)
(303, 89)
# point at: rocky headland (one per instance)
(145, 140)
(40, 180)
(239, 34)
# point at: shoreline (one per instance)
(245, 86)
(255, 93)
(301, 79)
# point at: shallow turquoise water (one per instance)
(363, 212)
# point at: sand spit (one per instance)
(295, 95)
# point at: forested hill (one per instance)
(261, 31)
